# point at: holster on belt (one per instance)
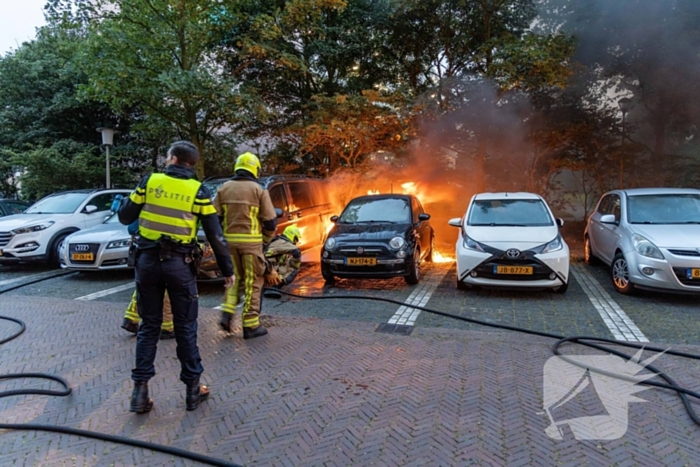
(195, 258)
(131, 258)
(166, 246)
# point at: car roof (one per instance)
(660, 191)
(383, 196)
(507, 195)
(88, 191)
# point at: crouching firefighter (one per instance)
(283, 257)
(249, 219)
(167, 206)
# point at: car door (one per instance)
(300, 206)
(595, 227)
(608, 234)
(422, 228)
(102, 201)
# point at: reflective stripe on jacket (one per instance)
(244, 205)
(169, 208)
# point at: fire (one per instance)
(301, 231)
(442, 258)
(372, 192)
(410, 188)
(327, 225)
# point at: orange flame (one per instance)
(439, 257)
(372, 192)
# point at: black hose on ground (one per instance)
(66, 391)
(587, 341)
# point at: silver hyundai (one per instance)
(650, 238)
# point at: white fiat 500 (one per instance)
(511, 240)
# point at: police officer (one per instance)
(167, 206)
(284, 257)
(249, 219)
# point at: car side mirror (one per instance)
(456, 222)
(90, 208)
(279, 212)
(334, 219)
(560, 222)
(423, 217)
(608, 219)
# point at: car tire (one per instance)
(429, 257)
(413, 276)
(588, 255)
(327, 276)
(461, 285)
(620, 276)
(54, 253)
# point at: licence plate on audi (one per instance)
(82, 257)
(512, 269)
(361, 261)
(694, 273)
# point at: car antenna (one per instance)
(392, 187)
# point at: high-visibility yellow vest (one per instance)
(168, 209)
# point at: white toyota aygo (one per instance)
(511, 240)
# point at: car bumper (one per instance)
(669, 274)
(385, 268)
(475, 268)
(24, 248)
(105, 260)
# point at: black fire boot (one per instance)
(140, 402)
(226, 322)
(251, 333)
(166, 334)
(130, 326)
(196, 393)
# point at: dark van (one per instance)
(304, 201)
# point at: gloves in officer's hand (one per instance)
(273, 279)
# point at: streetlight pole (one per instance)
(107, 141)
(625, 105)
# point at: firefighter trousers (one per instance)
(249, 270)
(132, 313)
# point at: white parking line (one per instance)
(104, 293)
(620, 325)
(29, 277)
(419, 297)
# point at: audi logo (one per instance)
(512, 253)
(360, 250)
(82, 248)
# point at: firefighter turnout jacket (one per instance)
(284, 257)
(170, 204)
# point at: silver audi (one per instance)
(102, 247)
(649, 237)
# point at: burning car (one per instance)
(378, 236)
(511, 240)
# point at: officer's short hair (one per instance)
(186, 153)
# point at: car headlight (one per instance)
(472, 244)
(119, 243)
(330, 243)
(645, 248)
(33, 228)
(396, 243)
(554, 245)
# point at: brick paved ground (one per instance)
(314, 392)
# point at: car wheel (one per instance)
(55, 252)
(619, 272)
(588, 255)
(429, 257)
(414, 276)
(327, 276)
(461, 285)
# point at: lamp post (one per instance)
(625, 105)
(107, 140)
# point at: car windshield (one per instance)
(664, 209)
(509, 213)
(113, 219)
(369, 210)
(65, 203)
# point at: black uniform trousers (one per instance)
(153, 277)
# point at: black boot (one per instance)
(164, 335)
(140, 402)
(131, 326)
(250, 333)
(226, 322)
(196, 393)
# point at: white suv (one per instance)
(37, 233)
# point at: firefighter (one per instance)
(249, 219)
(167, 206)
(284, 257)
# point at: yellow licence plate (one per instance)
(694, 273)
(512, 269)
(82, 257)
(361, 261)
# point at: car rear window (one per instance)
(509, 213)
(664, 209)
(395, 210)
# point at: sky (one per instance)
(18, 22)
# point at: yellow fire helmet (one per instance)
(293, 233)
(248, 162)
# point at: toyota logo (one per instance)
(512, 253)
(82, 248)
(360, 250)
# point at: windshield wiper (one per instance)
(684, 222)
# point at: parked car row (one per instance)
(649, 238)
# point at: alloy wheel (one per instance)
(620, 273)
